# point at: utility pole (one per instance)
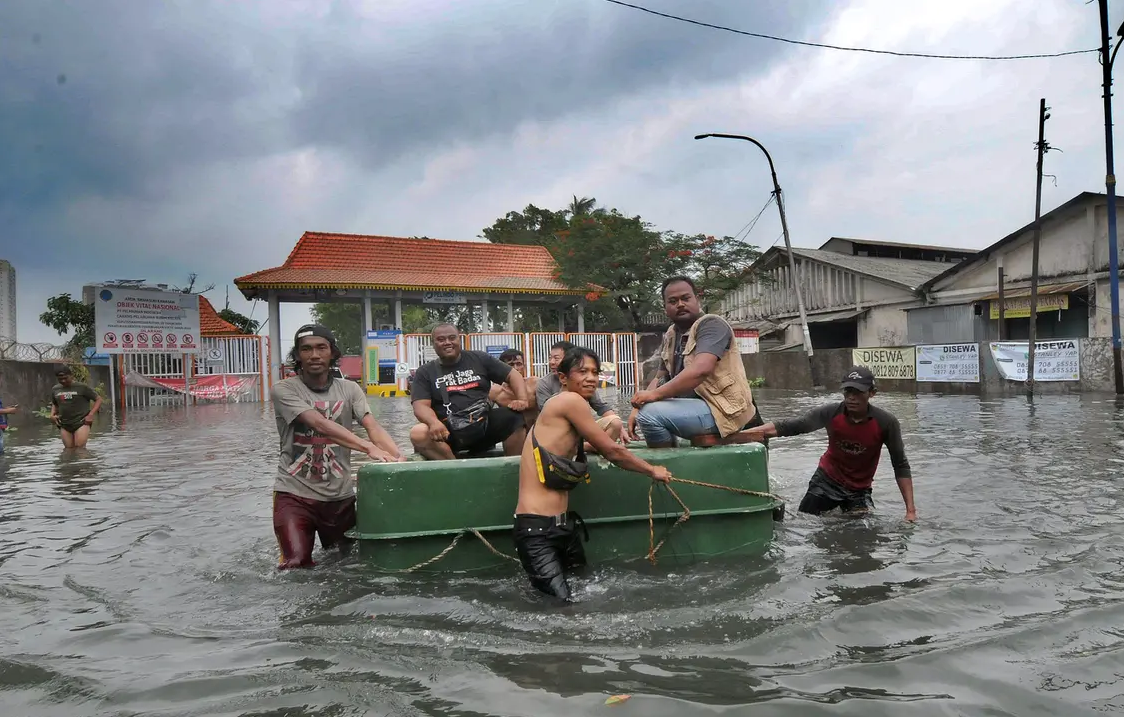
(1043, 115)
(1110, 190)
(796, 279)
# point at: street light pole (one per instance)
(1110, 190)
(787, 242)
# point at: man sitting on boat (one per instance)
(701, 388)
(313, 490)
(553, 463)
(502, 396)
(450, 396)
(856, 432)
(551, 385)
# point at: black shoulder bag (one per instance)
(467, 426)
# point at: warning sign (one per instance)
(165, 316)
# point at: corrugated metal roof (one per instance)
(835, 316)
(910, 273)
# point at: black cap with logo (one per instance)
(314, 330)
(858, 377)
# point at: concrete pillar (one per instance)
(581, 318)
(510, 316)
(398, 314)
(274, 334)
(367, 379)
(485, 320)
(561, 320)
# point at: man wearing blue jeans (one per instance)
(701, 387)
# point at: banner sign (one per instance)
(952, 363)
(1053, 360)
(130, 321)
(1019, 307)
(443, 297)
(747, 340)
(214, 387)
(891, 363)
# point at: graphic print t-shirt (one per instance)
(467, 381)
(313, 465)
(74, 402)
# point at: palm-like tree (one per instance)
(581, 207)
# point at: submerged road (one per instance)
(138, 578)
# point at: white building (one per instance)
(961, 304)
(855, 292)
(7, 300)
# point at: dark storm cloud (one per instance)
(111, 98)
(483, 68)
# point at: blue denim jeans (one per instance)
(1, 443)
(662, 421)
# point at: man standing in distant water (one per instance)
(856, 432)
(73, 407)
(4, 422)
(315, 411)
(502, 396)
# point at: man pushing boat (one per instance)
(314, 411)
(552, 464)
(856, 432)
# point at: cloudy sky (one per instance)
(153, 139)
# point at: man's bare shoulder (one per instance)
(566, 401)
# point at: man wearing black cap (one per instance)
(856, 432)
(315, 413)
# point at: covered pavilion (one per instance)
(325, 267)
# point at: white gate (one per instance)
(154, 366)
(626, 349)
(482, 342)
(241, 358)
(540, 352)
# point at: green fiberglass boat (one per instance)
(456, 516)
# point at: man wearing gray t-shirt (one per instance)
(315, 412)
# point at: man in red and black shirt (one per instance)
(856, 432)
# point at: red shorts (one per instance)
(297, 521)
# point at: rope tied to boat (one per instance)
(653, 547)
(449, 548)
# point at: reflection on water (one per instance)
(138, 578)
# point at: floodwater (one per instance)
(138, 578)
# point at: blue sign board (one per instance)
(91, 358)
(390, 334)
(495, 350)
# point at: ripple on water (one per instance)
(139, 578)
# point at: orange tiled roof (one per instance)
(211, 324)
(321, 260)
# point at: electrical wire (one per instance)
(848, 49)
(748, 228)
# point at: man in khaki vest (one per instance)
(701, 386)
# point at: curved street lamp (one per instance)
(788, 244)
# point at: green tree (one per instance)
(65, 314)
(624, 255)
(244, 323)
(345, 320)
(718, 266)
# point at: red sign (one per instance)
(170, 339)
(110, 337)
(142, 338)
(212, 387)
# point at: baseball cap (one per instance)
(314, 330)
(858, 377)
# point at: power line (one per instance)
(748, 228)
(848, 49)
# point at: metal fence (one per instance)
(620, 349)
(237, 357)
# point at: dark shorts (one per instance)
(548, 546)
(502, 422)
(72, 426)
(824, 494)
(297, 521)
(756, 421)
